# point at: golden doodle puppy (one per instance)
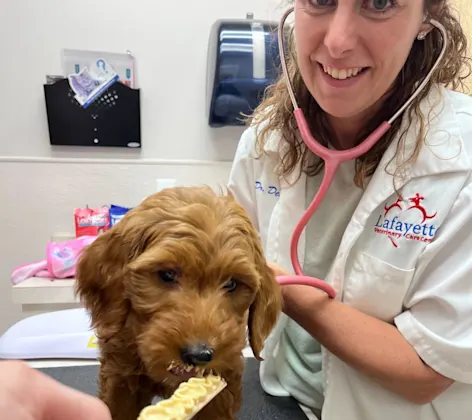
(174, 289)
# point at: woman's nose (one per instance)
(342, 33)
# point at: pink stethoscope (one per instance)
(332, 158)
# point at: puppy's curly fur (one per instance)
(185, 266)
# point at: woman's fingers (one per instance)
(278, 271)
(27, 394)
(60, 402)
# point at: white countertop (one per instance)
(37, 290)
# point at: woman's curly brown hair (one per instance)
(452, 73)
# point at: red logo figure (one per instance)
(396, 204)
(416, 200)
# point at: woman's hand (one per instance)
(27, 394)
(296, 296)
(278, 271)
(367, 344)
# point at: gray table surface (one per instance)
(257, 405)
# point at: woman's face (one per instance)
(351, 51)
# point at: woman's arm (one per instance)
(371, 346)
(430, 344)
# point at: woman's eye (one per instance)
(322, 3)
(167, 276)
(231, 285)
(379, 5)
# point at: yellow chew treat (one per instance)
(188, 399)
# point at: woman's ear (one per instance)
(433, 11)
(264, 311)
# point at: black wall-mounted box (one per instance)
(112, 120)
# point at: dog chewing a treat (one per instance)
(174, 289)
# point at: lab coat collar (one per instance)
(442, 151)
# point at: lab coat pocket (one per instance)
(376, 287)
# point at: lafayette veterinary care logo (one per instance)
(394, 227)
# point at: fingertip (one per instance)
(92, 408)
(60, 402)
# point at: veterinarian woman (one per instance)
(393, 235)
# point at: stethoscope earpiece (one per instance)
(422, 36)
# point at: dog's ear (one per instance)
(99, 282)
(267, 304)
(265, 310)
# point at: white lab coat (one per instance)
(388, 264)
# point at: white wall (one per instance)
(40, 185)
(464, 8)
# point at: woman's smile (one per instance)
(344, 77)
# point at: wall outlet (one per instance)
(164, 183)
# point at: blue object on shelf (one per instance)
(243, 60)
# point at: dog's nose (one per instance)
(197, 354)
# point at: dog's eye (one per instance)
(231, 285)
(167, 276)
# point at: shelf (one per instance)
(37, 290)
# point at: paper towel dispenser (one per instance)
(243, 60)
